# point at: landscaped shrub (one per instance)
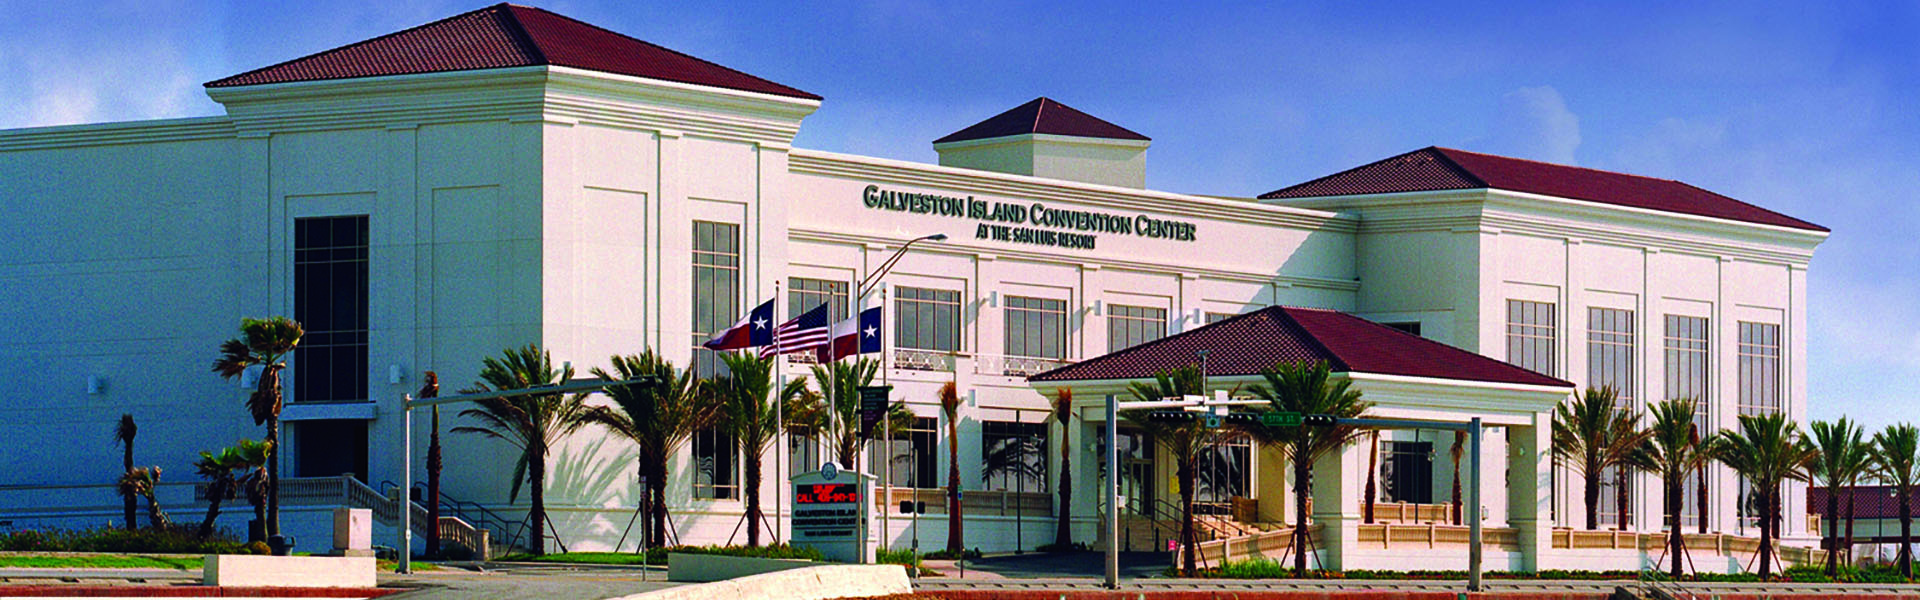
(1268, 569)
(949, 555)
(658, 556)
(175, 540)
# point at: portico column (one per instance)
(1529, 493)
(1336, 503)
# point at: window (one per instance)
(1014, 456)
(1036, 327)
(716, 288)
(1759, 368)
(329, 448)
(1406, 469)
(713, 465)
(1531, 335)
(1129, 326)
(330, 302)
(1686, 346)
(926, 319)
(807, 294)
(1224, 472)
(1610, 343)
(1412, 327)
(913, 457)
(1216, 317)
(803, 453)
(1135, 448)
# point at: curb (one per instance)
(186, 591)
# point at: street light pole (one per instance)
(866, 285)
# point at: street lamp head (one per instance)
(938, 237)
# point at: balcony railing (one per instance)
(1014, 366)
(913, 359)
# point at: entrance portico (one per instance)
(1405, 377)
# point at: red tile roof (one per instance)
(1246, 344)
(1042, 115)
(1434, 168)
(505, 35)
(1869, 502)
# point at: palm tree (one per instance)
(1591, 435)
(219, 468)
(1184, 440)
(1305, 389)
(1870, 466)
(139, 482)
(263, 342)
(949, 396)
(1843, 456)
(1768, 451)
(658, 414)
(1897, 452)
(123, 435)
(533, 422)
(1063, 414)
(838, 416)
(1673, 450)
(742, 397)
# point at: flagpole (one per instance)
(784, 445)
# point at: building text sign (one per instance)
(1029, 223)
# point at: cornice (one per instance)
(831, 164)
(1044, 138)
(520, 94)
(111, 134)
(961, 246)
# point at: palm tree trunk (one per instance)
(657, 499)
(537, 479)
(1302, 474)
(1063, 524)
(1849, 542)
(1620, 494)
(1703, 497)
(1675, 547)
(1189, 541)
(128, 501)
(1459, 446)
(1766, 534)
(1906, 532)
(753, 499)
(1592, 493)
(1373, 468)
(1833, 531)
(433, 487)
(956, 534)
(272, 526)
(215, 492)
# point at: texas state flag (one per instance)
(858, 335)
(756, 329)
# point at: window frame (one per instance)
(1135, 324)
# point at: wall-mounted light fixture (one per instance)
(96, 385)
(395, 374)
(250, 378)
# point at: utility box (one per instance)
(353, 532)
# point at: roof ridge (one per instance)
(663, 48)
(1340, 365)
(493, 7)
(533, 47)
(1448, 162)
(1443, 150)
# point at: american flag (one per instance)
(802, 333)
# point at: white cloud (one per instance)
(132, 68)
(1534, 122)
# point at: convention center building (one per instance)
(422, 200)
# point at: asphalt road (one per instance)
(526, 582)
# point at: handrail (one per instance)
(510, 530)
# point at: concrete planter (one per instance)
(700, 568)
(228, 570)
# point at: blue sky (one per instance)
(1805, 109)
